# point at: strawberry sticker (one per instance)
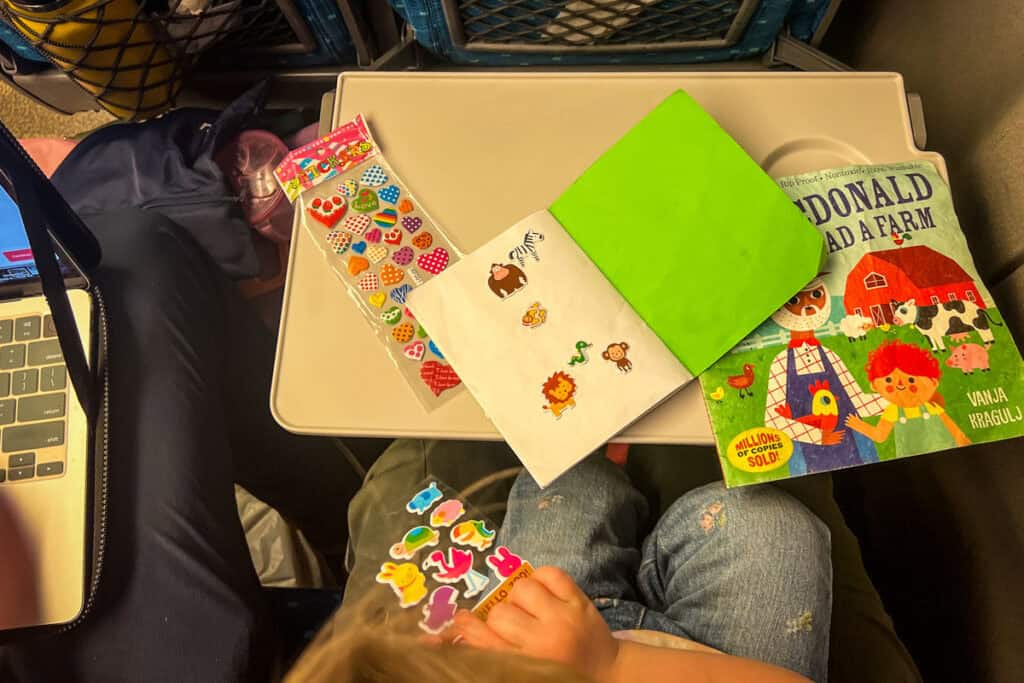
(438, 377)
(327, 211)
(433, 261)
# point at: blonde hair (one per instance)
(363, 652)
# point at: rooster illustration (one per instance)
(743, 382)
(824, 409)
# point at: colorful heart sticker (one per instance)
(421, 333)
(423, 240)
(365, 201)
(393, 236)
(433, 261)
(374, 176)
(378, 299)
(338, 241)
(390, 275)
(403, 333)
(385, 218)
(377, 253)
(328, 211)
(399, 294)
(405, 206)
(357, 264)
(416, 276)
(392, 315)
(357, 224)
(370, 283)
(403, 256)
(438, 377)
(415, 351)
(408, 313)
(373, 235)
(349, 188)
(412, 223)
(359, 247)
(434, 350)
(389, 193)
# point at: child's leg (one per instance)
(747, 571)
(587, 522)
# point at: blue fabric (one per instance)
(746, 571)
(806, 16)
(19, 45)
(166, 165)
(431, 30)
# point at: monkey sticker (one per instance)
(616, 353)
(560, 392)
(506, 280)
(580, 358)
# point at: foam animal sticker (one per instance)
(560, 392)
(414, 539)
(406, 580)
(581, 353)
(473, 533)
(439, 612)
(504, 562)
(457, 566)
(535, 315)
(528, 247)
(447, 512)
(424, 499)
(616, 353)
(506, 280)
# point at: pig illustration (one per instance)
(969, 357)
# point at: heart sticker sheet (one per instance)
(440, 555)
(381, 243)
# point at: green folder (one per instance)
(692, 233)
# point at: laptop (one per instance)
(45, 466)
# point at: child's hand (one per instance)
(857, 424)
(548, 617)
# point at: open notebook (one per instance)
(576, 321)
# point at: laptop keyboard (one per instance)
(33, 400)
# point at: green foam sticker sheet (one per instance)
(692, 233)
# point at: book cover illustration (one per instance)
(895, 349)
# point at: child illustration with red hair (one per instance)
(907, 377)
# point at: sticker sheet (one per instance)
(446, 559)
(381, 243)
(558, 360)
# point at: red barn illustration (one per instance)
(881, 278)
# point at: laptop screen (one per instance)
(17, 263)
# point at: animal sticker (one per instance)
(456, 566)
(945, 320)
(580, 357)
(535, 315)
(504, 562)
(505, 280)
(856, 327)
(560, 392)
(414, 539)
(616, 353)
(473, 533)
(968, 358)
(424, 499)
(528, 247)
(439, 612)
(447, 512)
(406, 580)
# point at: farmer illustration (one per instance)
(795, 380)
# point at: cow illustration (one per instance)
(945, 320)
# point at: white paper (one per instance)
(505, 363)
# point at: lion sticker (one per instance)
(560, 392)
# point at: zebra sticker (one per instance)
(528, 247)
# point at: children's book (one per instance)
(895, 349)
(576, 321)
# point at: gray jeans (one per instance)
(745, 571)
